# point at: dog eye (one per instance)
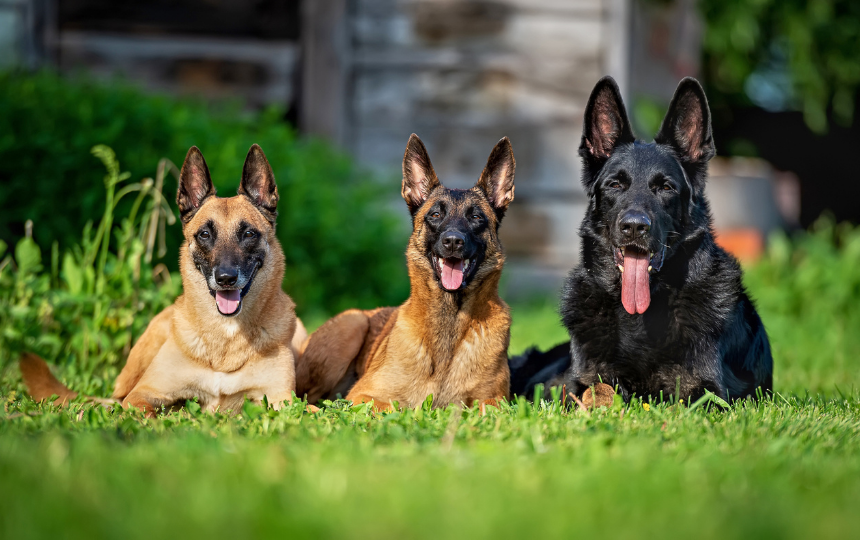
(476, 217)
(203, 235)
(615, 185)
(249, 234)
(668, 187)
(436, 215)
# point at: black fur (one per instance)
(700, 331)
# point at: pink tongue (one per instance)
(228, 301)
(635, 290)
(452, 273)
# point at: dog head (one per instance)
(229, 240)
(642, 195)
(455, 231)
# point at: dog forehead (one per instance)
(643, 161)
(469, 198)
(227, 213)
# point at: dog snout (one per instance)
(453, 242)
(226, 276)
(633, 225)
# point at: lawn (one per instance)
(787, 467)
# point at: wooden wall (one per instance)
(462, 74)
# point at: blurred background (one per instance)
(332, 89)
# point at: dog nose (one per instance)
(226, 276)
(453, 241)
(634, 224)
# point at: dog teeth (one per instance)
(650, 268)
(621, 267)
(622, 251)
(651, 256)
(465, 264)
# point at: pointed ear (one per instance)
(497, 180)
(195, 185)
(258, 183)
(419, 178)
(606, 125)
(687, 126)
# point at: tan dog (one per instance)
(450, 338)
(229, 334)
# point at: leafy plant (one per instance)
(89, 306)
(814, 42)
(338, 232)
(807, 289)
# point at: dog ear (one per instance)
(419, 178)
(687, 126)
(195, 185)
(605, 127)
(497, 180)
(258, 183)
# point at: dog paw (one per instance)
(378, 404)
(599, 395)
(484, 403)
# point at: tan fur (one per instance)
(431, 345)
(189, 350)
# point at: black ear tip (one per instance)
(256, 151)
(607, 82)
(688, 84)
(414, 140)
(415, 146)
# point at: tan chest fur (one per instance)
(468, 362)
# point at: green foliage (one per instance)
(91, 303)
(338, 234)
(818, 39)
(807, 290)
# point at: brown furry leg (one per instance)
(41, 383)
(143, 353)
(599, 395)
(484, 403)
(147, 400)
(299, 338)
(328, 353)
(378, 404)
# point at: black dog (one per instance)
(656, 307)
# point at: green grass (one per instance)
(788, 467)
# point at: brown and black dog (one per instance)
(450, 338)
(231, 333)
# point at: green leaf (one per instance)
(28, 256)
(72, 274)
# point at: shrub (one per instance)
(88, 305)
(341, 242)
(807, 290)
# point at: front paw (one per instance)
(378, 404)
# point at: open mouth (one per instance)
(229, 301)
(636, 266)
(453, 273)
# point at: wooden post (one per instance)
(325, 69)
